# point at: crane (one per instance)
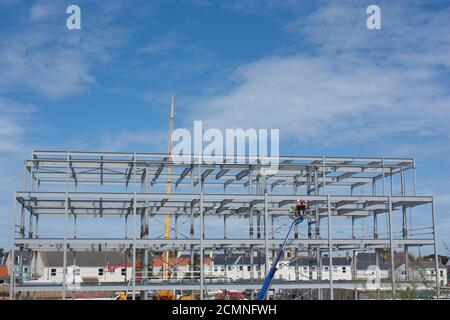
(169, 172)
(298, 215)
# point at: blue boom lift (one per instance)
(298, 213)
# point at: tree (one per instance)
(443, 259)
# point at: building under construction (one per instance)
(355, 205)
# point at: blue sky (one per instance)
(312, 69)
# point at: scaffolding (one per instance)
(357, 204)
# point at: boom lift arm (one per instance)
(298, 215)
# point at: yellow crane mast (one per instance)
(169, 172)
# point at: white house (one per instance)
(308, 269)
(448, 271)
(366, 264)
(21, 260)
(236, 267)
(94, 267)
(424, 271)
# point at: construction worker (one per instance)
(299, 209)
(122, 296)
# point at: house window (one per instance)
(123, 272)
(334, 269)
(53, 272)
(241, 268)
(442, 273)
(100, 271)
(305, 269)
(326, 269)
(229, 268)
(248, 268)
(344, 269)
(215, 269)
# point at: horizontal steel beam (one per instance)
(105, 244)
(213, 285)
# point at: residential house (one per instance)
(368, 265)
(178, 267)
(237, 266)
(89, 266)
(448, 272)
(4, 274)
(422, 271)
(21, 264)
(308, 269)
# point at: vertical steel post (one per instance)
(202, 234)
(391, 180)
(414, 176)
(191, 223)
(12, 271)
(391, 246)
(436, 257)
(134, 228)
(384, 176)
(251, 233)
(404, 223)
(330, 249)
(66, 218)
(375, 220)
(266, 228)
(323, 174)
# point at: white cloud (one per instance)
(44, 57)
(166, 42)
(345, 86)
(44, 9)
(316, 98)
(14, 118)
(14, 126)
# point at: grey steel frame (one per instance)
(202, 189)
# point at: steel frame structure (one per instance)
(337, 189)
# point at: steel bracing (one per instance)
(343, 193)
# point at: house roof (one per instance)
(180, 261)
(83, 258)
(310, 261)
(366, 259)
(427, 264)
(221, 259)
(25, 256)
(3, 272)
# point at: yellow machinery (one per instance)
(164, 295)
(122, 296)
(165, 266)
